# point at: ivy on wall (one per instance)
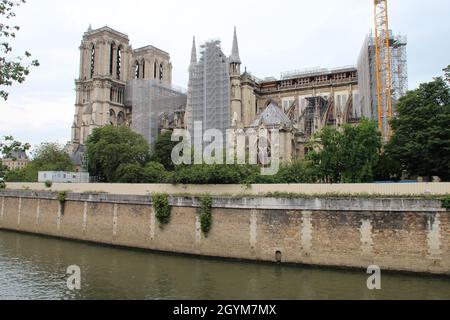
(162, 208)
(446, 202)
(206, 214)
(62, 200)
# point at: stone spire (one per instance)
(194, 53)
(234, 58)
(90, 28)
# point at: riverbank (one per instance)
(398, 234)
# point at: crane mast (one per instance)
(383, 67)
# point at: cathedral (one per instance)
(119, 85)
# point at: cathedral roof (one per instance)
(272, 116)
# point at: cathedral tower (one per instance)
(100, 89)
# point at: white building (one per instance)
(63, 177)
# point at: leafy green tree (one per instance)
(421, 139)
(12, 68)
(447, 73)
(110, 147)
(163, 150)
(50, 156)
(349, 155)
(297, 172)
(152, 172)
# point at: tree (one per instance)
(349, 155)
(12, 69)
(421, 140)
(47, 157)
(163, 150)
(9, 146)
(297, 172)
(447, 73)
(152, 172)
(109, 147)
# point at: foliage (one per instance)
(348, 155)
(152, 172)
(12, 69)
(447, 73)
(163, 150)
(446, 202)
(48, 184)
(47, 157)
(162, 208)
(297, 172)
(2, 184)
(62, 196)
(3, 170)
(9, 145)
(109, 147)
(206, 214)
(421, 140)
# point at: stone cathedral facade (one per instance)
(299, 103)
(107, 64)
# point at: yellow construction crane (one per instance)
(383, 66)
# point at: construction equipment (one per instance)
(383, 67)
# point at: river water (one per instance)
(34, 267)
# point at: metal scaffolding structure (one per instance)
(367, 75)
(209, 88)
(152, 102)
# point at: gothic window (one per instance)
(92, 60)
(111, 59)
(119, 62)
(112, 117)
(161, 71)
(137, 70)
(120, 119)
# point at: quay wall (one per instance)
(397, 234)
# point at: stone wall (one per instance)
(396, 234)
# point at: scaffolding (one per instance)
(152, 102)
(367, 75)
(209, 88)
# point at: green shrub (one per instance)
(446, 202)
(2, 185)
(162, 208)
(62, 196)
(205, 214)
(48, 184)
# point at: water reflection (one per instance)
(33, 267)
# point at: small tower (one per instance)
(235, 75)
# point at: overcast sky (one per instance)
(274, 36)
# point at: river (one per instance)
(34, 267)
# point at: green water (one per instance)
(33, 267)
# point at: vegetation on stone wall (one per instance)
(2, 184)
(206, 214)
(162, 208)
(48, 184)
(62, 195)
(446, 202)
